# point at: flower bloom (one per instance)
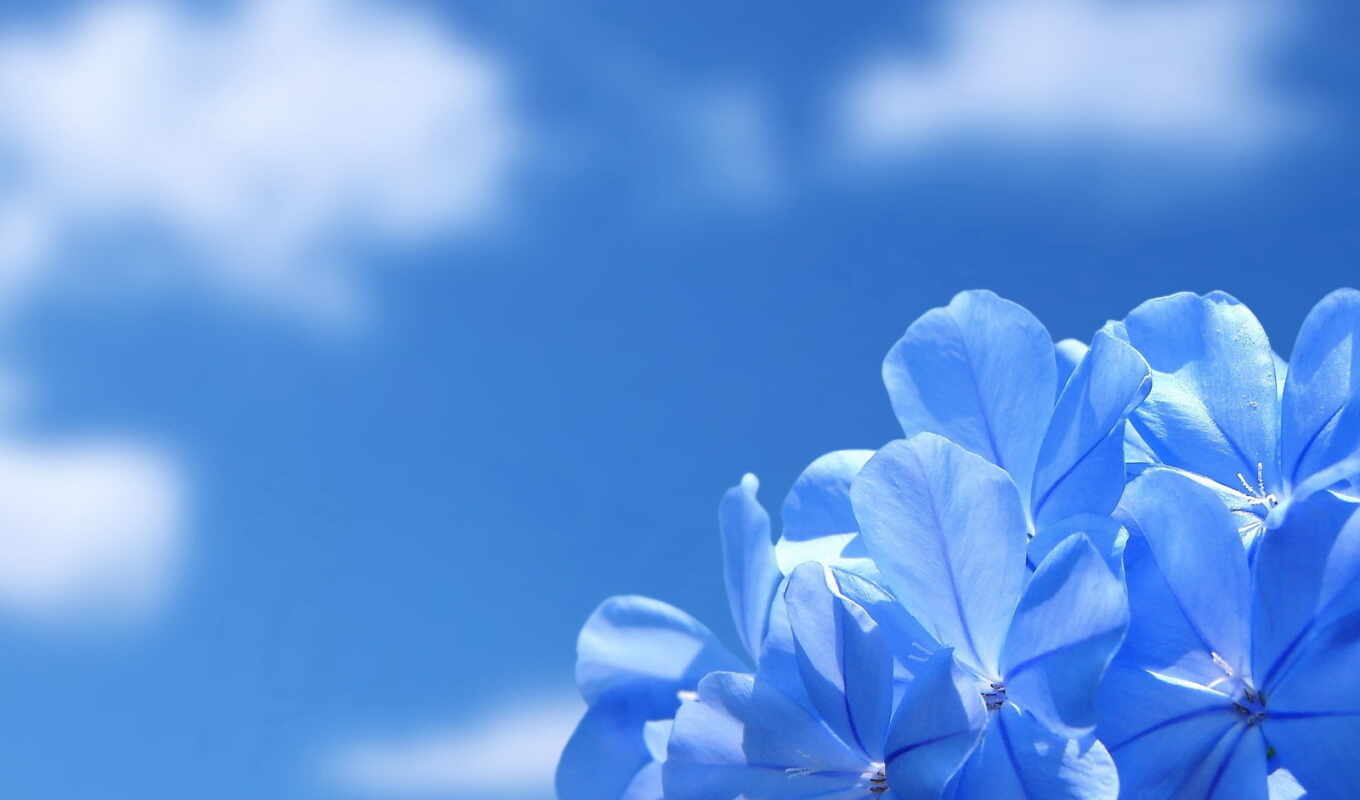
(1041, 592)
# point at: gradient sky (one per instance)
(416, 453)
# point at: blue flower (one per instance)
(947, 530)
(1223, 410)
(1232, 670)
(871, 719)
(638, 657)
(984, 373)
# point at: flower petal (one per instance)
(1067, 627)
(749, 563)
(819, 523)
(604, 755)
(1313, 718)
(981, 371)
(1106, 535)
(1081, 463)
(1307, 575)
(643, 651)
(1234, 769)
(843, 659)
(1321, 406)
(909, 643)
(779, 658)
(1284, 786)
(646, 784)
(1019, 760)
(933, 731)
(744, 738)
(1070, 352)
(1187, 580)
(1159, 729)
(947, 531)
(1214, 406)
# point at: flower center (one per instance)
(996, 698)
(1251, 705)
(877, 777)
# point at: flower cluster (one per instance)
(1124, 569)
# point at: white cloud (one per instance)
(734, 145)
(509, 752)
(1183, 76)
(90, 529)
(265, 141)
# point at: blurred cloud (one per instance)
(90, 529)
(734, 146)
(266, 141)
(510, 752)
(1178, 76)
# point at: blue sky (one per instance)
(353, 353)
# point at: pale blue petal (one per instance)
(748, 562)
(1136, 449)
(1214, 405)
(1081, 463)
(1324, 678)
(1307, 574)
(1321, 406)
(1187, 579)
(1019, 760)
(981, 371)
(1161, 637)
(742, 737)
(1313, 715)
(1093, 486)
(1233, 769)
(908, 642)
(1159, 729)
(1281, 374)
(933, 731)
(947, 531)
(1338, 479)
(657, 736)
(843, 658)
(1070, 621)
(604, 755)
(1106, 535)
(779, 659)
(1069, 354)
(645, 651)
(1284, 786)
(646, 784)
(819, 524)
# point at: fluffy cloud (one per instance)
(266, 141)
(90, 529)
(509, 753)
(1185, 76)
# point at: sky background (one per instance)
(351, 354)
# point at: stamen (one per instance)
(687, 695)
(1258, 495)
(996, 698)
(1251, 705)
(877, 777)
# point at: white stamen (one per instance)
(1258, 494)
